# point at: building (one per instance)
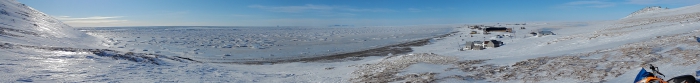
(497, 29)
(478, 27)
(473, 32)
(544, 33)
(492, 44)
(507, 35)
(481, 45)
(473, 46)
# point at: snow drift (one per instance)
(21, 24)
(646, 10)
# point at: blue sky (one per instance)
(96, 13)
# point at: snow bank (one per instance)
(22, 24)
(386, 69)
(645, 10)
(118, 55)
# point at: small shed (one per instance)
(497, 29)
(473, 32)
(473, 46)
(475, 27)
(480, 43)
(507, 35)
(492, 44)
(544, 33)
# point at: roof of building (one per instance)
(545, 32)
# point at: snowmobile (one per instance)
(656, 77)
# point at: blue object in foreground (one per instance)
(642, 73)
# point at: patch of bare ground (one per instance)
(9, 32)
(386, 70)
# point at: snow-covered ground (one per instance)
(580, 51)
(35, 47)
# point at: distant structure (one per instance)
(543, 33)
(492, 44)
(475, 45)
(478, 27)
(507, 35)
(481, 45)
(473, 32)
(497, 29)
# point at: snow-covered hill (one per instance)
(607, 51)
(21, 24)
(645, 10)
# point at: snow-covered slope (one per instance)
(646, 10)
(607, 51)
(659, 12)
(21, 24)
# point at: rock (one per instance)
(329, 68)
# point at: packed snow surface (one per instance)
(37, 48)
(22, 24)
(645, 10)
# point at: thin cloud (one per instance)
(589, 4)
(414, 10)
(368, 10)
(316, 8)
(294, 9)
(337, 14)
(90, 20)
(94, 21)
(642, 2)
(240, 15)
